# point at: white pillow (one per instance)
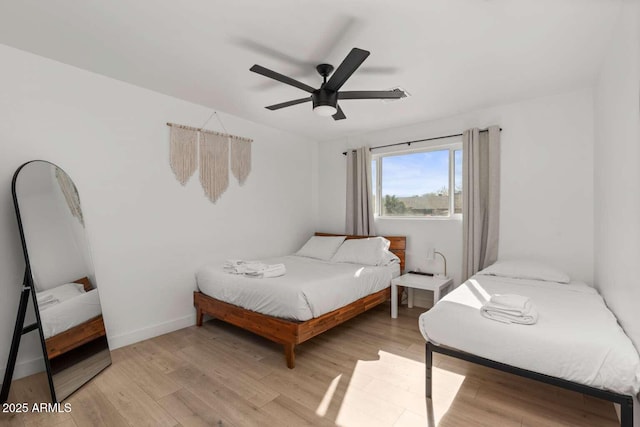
(526, 270)
(321, 247)
(369, 251)
(389, 258)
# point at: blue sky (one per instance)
(418, 173)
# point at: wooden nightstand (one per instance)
(417, 281)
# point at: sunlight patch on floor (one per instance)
(446, 385)
(389, 392)
(328, 396)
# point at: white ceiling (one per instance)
(451, 55)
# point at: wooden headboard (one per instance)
(398, 244)
(84, 282)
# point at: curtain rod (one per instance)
(209, 131)
(417, 140)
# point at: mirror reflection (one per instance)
(63, 278)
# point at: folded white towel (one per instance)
(44, 298)
(45, 301)
(527, 319)
(517, 302)
(273, 270)
(236, 262)
(253, 268)
(242, 267)
(509, 308)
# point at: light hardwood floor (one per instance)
(367, 372)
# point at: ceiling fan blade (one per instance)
(288, 103)
(268, 51)
(372, 94)
(344, 70)
(378, 70)
(281, 78)
(339, 115)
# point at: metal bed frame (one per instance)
(625, 401)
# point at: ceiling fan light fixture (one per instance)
(325, 110)
(324, 102)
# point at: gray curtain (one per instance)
(481, 199)
(359, 207)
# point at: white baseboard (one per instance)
(151, 331)
(26, 368)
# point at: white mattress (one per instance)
(71, 311)
(309, 289)
(576, 337)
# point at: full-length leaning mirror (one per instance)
(60, 275)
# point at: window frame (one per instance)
(452, 147)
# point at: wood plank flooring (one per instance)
(367, 372)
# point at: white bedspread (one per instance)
(70, 312)
(576, 337)
(54, 296)
(309, 289)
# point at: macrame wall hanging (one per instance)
(214, 165)
(240, 159)
(70, 193)
(183, 153)
(216, 151)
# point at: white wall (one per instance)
(148, 234)
(617, 175)
(546, 184)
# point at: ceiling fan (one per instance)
(325, 99)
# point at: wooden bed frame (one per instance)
(288, 332)
(79, 334)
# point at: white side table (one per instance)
(438, 285)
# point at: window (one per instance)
(425, 183)
(457, 181)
